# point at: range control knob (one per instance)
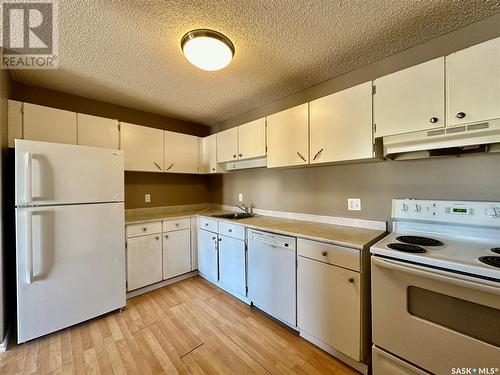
(417, 208)
(492, 211)
(404, 207)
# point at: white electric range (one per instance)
(436, 288)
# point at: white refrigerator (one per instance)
(70, 240)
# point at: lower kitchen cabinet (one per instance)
(328, 305)
(207, 255)
(144, 261)
(176, 253)
(232, 265)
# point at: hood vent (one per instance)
(457, 140)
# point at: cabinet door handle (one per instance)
(206, 224)
(213, 238)
(300, 156)
(169, 168)
(144, 229)
(234, 156)
(350, 279)
(433, 120)
(317, 154)
(213, 169)
(229, 230)
(157, 238)
(220, 239)
(240, 155)
(166, 236)
(324, 253)
(460, 114)
(157, 166)
(176, 224)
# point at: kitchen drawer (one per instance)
(176, 224)
(231, 230)
(332, 254)
(207, 224)
(142, 229)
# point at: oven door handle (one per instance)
(439, 275)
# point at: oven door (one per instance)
(435, 319)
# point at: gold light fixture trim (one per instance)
(207, 49)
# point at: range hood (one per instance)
(456, 140)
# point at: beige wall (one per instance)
(169, 189)
(165, 189)
(4, 94)
(324, 190)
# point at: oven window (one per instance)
(469, 318)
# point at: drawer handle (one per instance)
(206, 224)
(176, 224)
(157, 238)
(229, 230)
(213, 238)
(350, 279)
(220, 239)
(166, 236)
(324, 253)
(460, 114)
(144, 229)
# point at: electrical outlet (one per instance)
(147, 198)
(354, 204)
(240, 197)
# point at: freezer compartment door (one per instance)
(70, 265)
(53, 174)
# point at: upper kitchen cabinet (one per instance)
(14, 121)
(227, 145)
(341, 126)
(181, 152)
(49, 124)
(98, 131)
(143, 148)
(209, 155)
(288, 137)
(252, 139)
(410, 100)
(473, 83)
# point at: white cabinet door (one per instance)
(49, 124)
(143, 148)
(328, 305)
(252, 139)
(98, 131)
(14, 121)
(410, 100)
(473, 83)
(209, 157)
(341, 125)
(176, 253)
(232, 264)
(288, 137)
(227, 145)
(144, 261)
(207, 255)
(181, 152)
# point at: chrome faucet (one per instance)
(245, 209)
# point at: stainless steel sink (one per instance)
(234, 215)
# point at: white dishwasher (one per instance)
(272, 275)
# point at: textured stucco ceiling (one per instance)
(128, 53)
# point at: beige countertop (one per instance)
(341, 235)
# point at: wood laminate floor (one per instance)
(190, 327)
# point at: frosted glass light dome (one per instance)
(207, 49)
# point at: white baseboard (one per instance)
(359, 366)
(5, 342)
(161, 284)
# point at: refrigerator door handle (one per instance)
(28, 185)
(29, 247)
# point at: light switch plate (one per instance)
(240, 197)
(147, 198)
(354, 204)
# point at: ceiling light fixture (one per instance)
(207, 49)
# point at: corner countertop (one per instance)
(342, 235)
